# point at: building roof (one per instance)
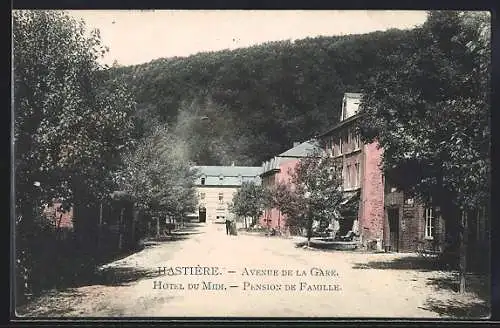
(302, 150)
(228, 171)
(227, 175)
(353, 95)
(340, 124)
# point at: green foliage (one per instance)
(158, 175)
(71, 117)
(250, 201)
(263, 98)
(429, 110)
(313, 194)
(71, 121)
(209, 131)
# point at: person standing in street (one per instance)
(228, 226)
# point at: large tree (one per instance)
(250, 201)
(158, 176)
(429, 110)
(313, 194)
(71, 118)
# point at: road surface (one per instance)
(211, 274)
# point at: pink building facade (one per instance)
(279, 170)
(363, 181)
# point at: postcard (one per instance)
(251, 164)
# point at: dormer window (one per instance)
(202, 181)
(221, 177)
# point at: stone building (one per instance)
(216, 186)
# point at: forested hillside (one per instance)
(258, 100)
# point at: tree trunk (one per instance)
(245, 220)
(157, 227)
(99, 230)
(463, 250)
(279, 221)
(309, 230)
(120, 225)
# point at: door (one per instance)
(393, 216)
(202, 214)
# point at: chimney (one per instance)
(296, 143)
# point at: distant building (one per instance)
(278, 170)
(216, 186)
(363, 183)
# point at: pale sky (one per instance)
(139, 36)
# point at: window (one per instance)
(348, 178)
(430, 223)
(341, 141)
(344, 176)
(357, 142)
(357, 175)
(202, 181)
(202, 195)
(221, 197)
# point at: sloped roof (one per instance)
(353, 95)
(229, 171)
(302, 150)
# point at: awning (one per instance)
(350, 204)
(350, 197)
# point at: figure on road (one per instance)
(228, 226)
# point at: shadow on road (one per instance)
(472, 305)
(119, 276)
(459, 309)
(174, 236)
(113, 276)
(404, 263)
(192, 226)
(475, 283)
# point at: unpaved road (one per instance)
(358, 284)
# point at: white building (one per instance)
(216, 186)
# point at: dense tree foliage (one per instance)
(263, 98)
(250, 201)
(429, 109)
(313, 194)
(158, 175)
(71, 121)
(71, 118)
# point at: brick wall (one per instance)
(411, 224)
(273, 218)
(371, 214)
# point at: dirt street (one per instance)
(209, 273)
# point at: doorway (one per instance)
(202, 214)
(393, 218)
